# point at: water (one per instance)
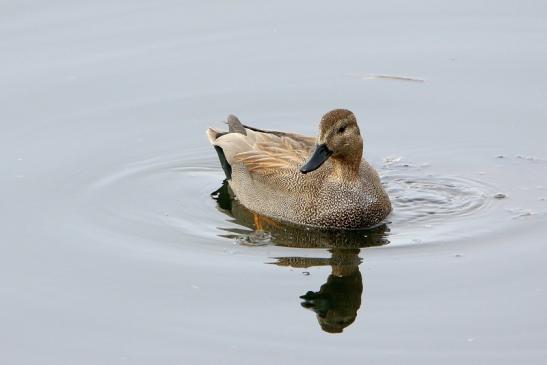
(120, 243)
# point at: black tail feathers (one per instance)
(225, 165)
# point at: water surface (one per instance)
(118, 246)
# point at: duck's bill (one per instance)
(319, 156)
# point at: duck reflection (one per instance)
(338, 300)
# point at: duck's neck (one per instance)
(347, 167)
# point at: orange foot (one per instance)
(258, 225)
(261, 220)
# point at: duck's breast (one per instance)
(352, 206)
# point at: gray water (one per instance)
(115, 251)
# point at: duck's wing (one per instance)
(305, 140)
(271, 153)
(262, 152)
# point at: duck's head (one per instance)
(339, 139)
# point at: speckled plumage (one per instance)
(344, 192)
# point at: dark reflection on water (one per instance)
(338, 300)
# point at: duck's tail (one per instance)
(234, 126)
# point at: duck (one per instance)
(321, 181)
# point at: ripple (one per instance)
(433, 198)
(168, 198)
(163, 199)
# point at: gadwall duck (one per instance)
(322, 182)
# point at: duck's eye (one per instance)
(341, 129)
